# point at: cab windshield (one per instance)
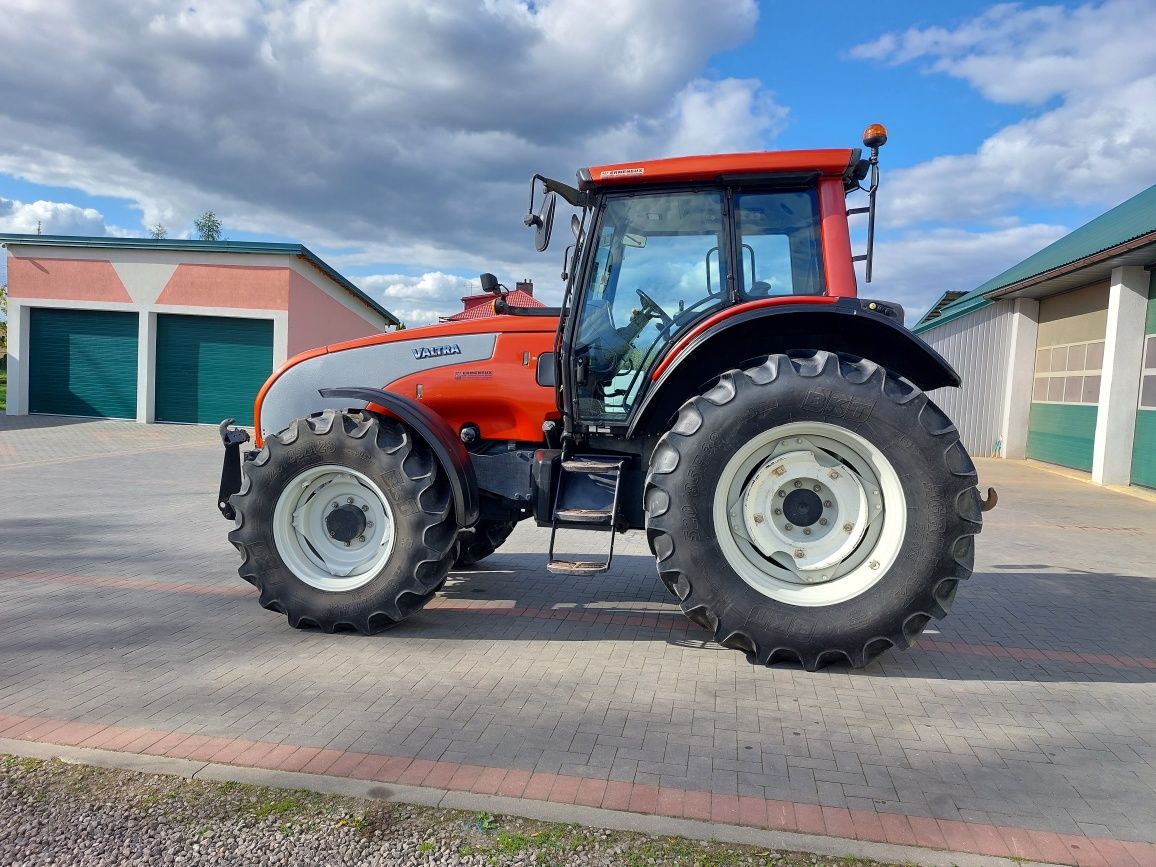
(661, 262)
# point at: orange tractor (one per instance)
(711, 377)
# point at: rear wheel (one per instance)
(344, 521)
(812, 509)
(480, 541)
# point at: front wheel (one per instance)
(812, 509)
(344, 520)
(480, 541)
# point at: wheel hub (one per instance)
(807, 511)
(345, 523)
(802, 507)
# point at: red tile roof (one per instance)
(482, 306)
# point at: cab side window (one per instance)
(779, 243)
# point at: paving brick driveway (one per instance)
(1033, 708)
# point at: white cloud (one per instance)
(915, 268)
(51, 218)
(1089, 76)
(422, 299)
(407, 129)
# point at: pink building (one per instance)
(166, 330)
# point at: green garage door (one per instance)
(1144, 447)
(82, 362)
(1069, 364)
(211, 367)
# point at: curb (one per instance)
(547, 811)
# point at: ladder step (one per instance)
(576, 567)
(590, 465)
(585, 516)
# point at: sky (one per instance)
(397, 139)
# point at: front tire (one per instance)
(344, 520)
(812, 509)
(480, 541)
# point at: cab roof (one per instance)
(836, 162)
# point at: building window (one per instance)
(1148, 375)
(1069, 373)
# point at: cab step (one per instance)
(577, 567)
(585, 516)
(586, 499)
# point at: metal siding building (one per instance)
(977, 345)
(1058, 353)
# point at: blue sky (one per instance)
(396, 139)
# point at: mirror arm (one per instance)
(569, 194)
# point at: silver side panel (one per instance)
(294, 393)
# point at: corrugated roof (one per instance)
(265, 247)
(1126, 222)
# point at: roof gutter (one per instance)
(1094, 259)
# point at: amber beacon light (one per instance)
(875, 136)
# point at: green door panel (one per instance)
(1062, 434)
(82, 362)
(210, 367)
(1144, 449)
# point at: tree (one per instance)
(208, 227)
(158, 231)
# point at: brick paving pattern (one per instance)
(1022, 725)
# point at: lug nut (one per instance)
(360, 538)
(800, 553)
(332, 535)
(349, 500)
(823, 522)
(847, 528)
(369, 523)
(365, 508)
(798, 484)
(789, 527)
(778, 511)
(806, 531)
(781, 495)
(826, 504)
(833, 475)
(759, 519)
(817, 488)
(874, 564)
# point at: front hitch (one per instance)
(989, 504)
(232, 438)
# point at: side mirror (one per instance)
(543, 222)
(576, 227)
(490, 284)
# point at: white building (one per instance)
(1058, 353)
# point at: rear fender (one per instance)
(440, 437)
(843, 325)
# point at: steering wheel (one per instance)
(650, 306)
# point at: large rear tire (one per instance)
(812, 509)
(344, 520)
(480, 541)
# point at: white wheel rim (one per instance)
(304, 539)
(850, 509)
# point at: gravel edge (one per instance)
(361, 798)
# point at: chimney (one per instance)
(525, 285)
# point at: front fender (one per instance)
(447, 448)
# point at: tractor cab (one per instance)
(662, 247)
